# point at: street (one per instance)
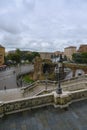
(8, 77)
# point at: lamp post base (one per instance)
(59, 91)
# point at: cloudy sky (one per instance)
(43, 25)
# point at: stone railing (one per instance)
(36, 84)
(58, 100)
(30, 86)
(75, 79)
(25, 104)
(73, 84)
(74, 87)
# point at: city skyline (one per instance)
(46, 26)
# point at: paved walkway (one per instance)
(48, 118)
(17, 93)
(10, 94)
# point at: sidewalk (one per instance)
(10, 94)
(17, 93)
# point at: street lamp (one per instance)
(59, 68)
(46, 74)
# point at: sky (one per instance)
(43, 25)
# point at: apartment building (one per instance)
(68, 51)
(45, 55)
(2, 54)
(82, 48)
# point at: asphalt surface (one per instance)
(8, 77)
(48, 118)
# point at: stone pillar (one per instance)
(62, 100)
(37, 68)
(74, 71)
(85, 70)
(1, 110)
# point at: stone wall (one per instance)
(37, 68)
(24, 104)
(75, 80)
(74, 87)
(78, 95)
(62, 100)
(75, 67)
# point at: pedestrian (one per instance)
(14, 72)
(4, 87)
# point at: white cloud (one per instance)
(45, 25)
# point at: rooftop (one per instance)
(48, 118)
(1, 46)
(83, 45)
(70, 47)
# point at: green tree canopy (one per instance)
(80, 57)
(18, 56)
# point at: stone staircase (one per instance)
(40, 86)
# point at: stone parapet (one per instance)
(1, 109)
(57, 100)
(73, 84)
(61, 100)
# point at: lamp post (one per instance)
(59, 67)
(46, 74)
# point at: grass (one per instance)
(27, 79)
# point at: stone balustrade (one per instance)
(28, 87)
(58, 100)
(76, 91)
(73, 84)
(74, 87)
(24, 104)
(75, 79)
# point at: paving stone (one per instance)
(48, 118)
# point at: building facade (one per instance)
(68, 51)
(82, 48)
(2, 54)
(45, 55)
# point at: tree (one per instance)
(52, 56)
(29, 57)
(84, 57)
(18, 51)
(65, 58)
(21, 55)
(34, 54)
(14, 57)
(80, 57)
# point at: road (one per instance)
(8, 78)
